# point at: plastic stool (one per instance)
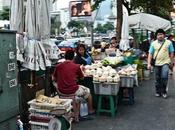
(113, 105)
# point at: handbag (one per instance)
(153, 60)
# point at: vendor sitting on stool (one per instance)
(65, 74)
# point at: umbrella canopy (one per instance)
(17, 23)
(16, 17)
(44, 27)
(35, 55)
(148, 22)
(124, 42)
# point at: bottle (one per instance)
(20, 124)
(83, 109)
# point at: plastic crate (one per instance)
(127, 81)
(106, 88)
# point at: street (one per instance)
(148, 112)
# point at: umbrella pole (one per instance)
(31, 84)
(47, 81)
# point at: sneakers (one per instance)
(164, 95)
(157, 95)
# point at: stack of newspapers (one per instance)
(43, 109)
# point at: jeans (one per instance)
(161, 75)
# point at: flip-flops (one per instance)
(85, 118)
(92, 113)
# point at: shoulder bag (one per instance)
(153, 60)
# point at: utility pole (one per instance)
(92, 33)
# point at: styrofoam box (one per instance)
(106, 88)
(127, 81)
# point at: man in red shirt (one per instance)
(66, 74)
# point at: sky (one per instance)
(63, 3)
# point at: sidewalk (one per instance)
(148, 112)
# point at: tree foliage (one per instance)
(5, 13)
(76, 25)
(96, 4)
(55, 25)
(104, 28)
(157, 7)
(109, 26)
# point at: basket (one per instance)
(106, 88)
(127, 81)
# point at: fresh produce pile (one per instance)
(128, 70)
(112, 61)
(101, 73)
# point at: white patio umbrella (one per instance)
(124, 42)
(17, 23)
(44, 27)
(35, 55)
(148, 22)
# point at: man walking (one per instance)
(163, 52)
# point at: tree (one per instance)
(156, 7)
(96, 4)
(5, 13)
(104, 28)
(99, 28)
(119, 19)
(55, 25)
(108, 26)
(76, 26)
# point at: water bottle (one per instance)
(83, 109)
(20, 124)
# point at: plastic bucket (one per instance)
(146, 74)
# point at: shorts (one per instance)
(82, 93)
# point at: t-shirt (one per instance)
(66, 75)
(163, 54)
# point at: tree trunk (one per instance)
(119, 19)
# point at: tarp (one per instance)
(148, 22)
